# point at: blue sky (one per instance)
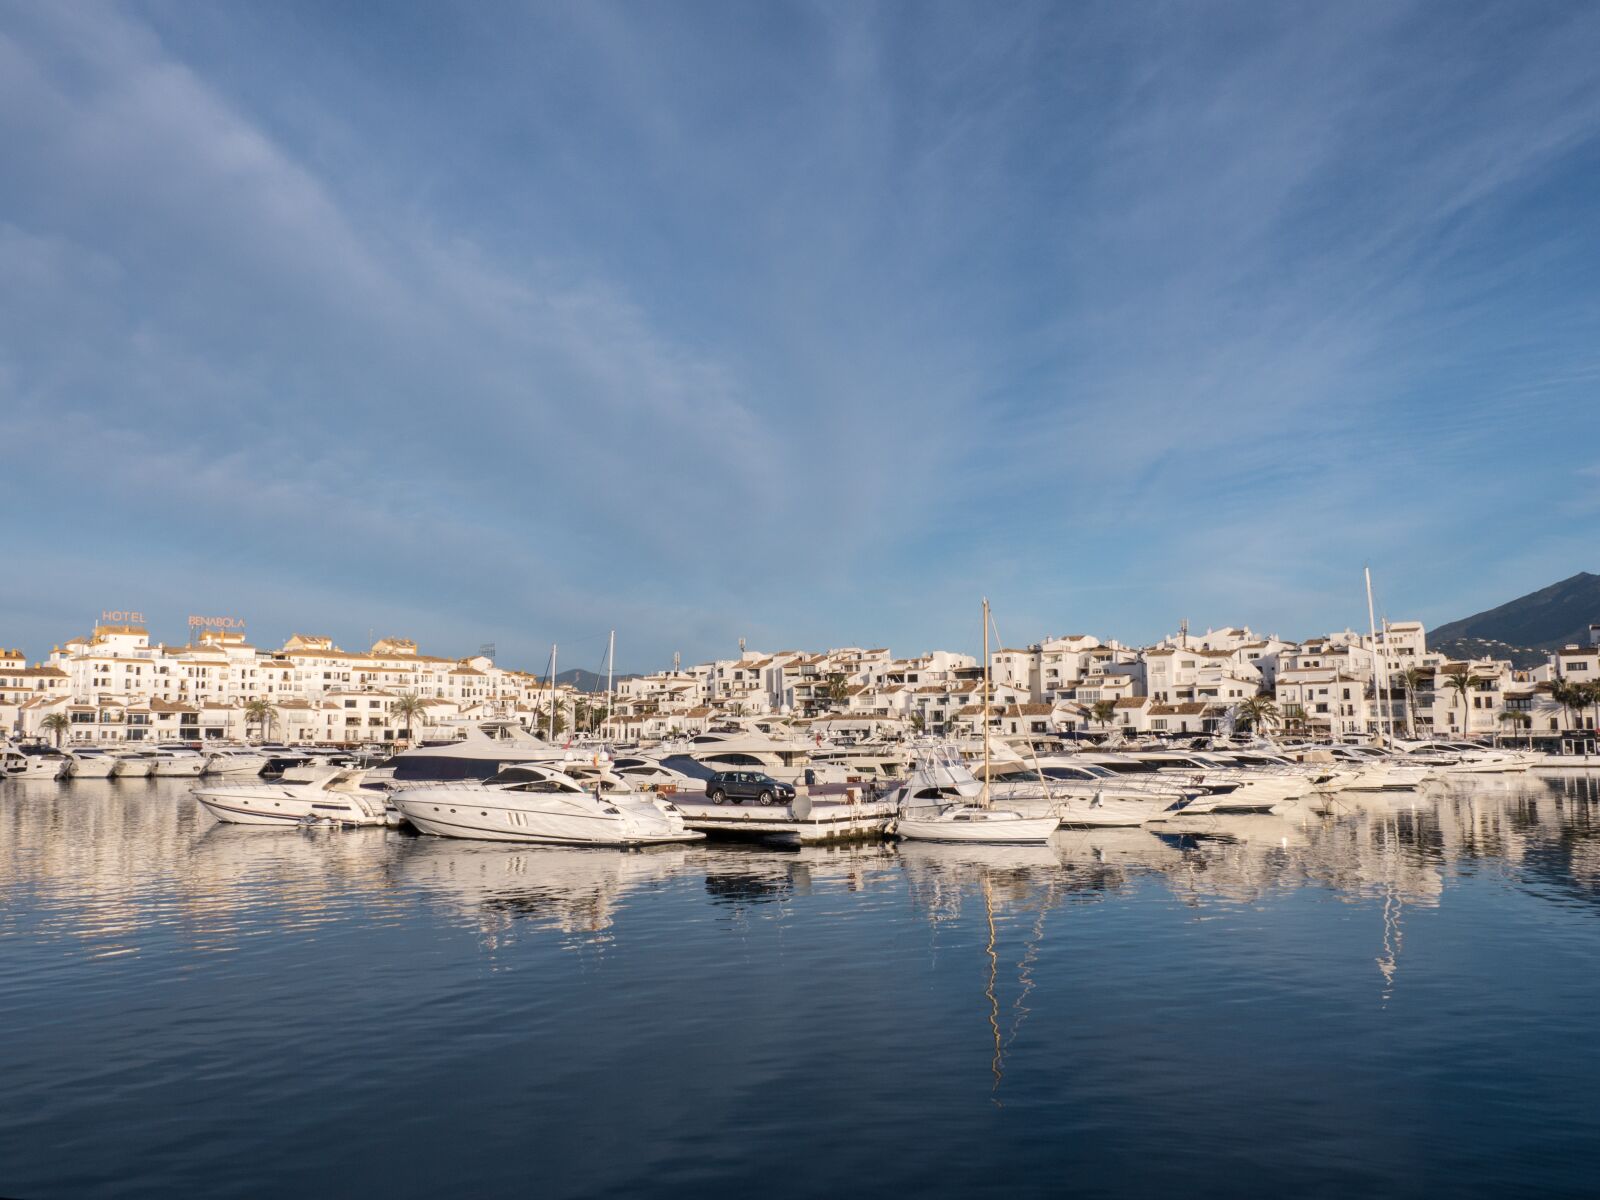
(807, 324)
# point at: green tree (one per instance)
(1103, 712)
(1591, 697)
(1413, 680)
(261, 714)
(409, 708)
(838, 689)
(1460, 680)
(1258, 713)
(58, 724)
(1516, 720)
(916, 722)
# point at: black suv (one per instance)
(735, 786)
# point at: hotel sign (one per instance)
(215, 623)
(119, 616)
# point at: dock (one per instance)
(810, 820)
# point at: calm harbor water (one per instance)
(1395, 1001)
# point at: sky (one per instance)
(805, 324)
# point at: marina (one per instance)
(1099, 1007)
(511, 512)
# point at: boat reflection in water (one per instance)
(1125, 994)
(1016, 886)
(497, 887)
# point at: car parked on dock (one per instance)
(733, 787)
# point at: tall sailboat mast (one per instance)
(552, 691)
(611, 669)
(986, 702)
(1388, 692)
(1380, 687)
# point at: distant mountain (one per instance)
(1527, 628)
(587, 681)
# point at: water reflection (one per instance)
(1122, 995)
(502, 889)
(102, 863)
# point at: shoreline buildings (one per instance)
(113, 685)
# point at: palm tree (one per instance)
(1461, 680)
(1257, 712)
(1516, 719)
(1561, 692)
(838, 689)
(1413, 680)
(58, 724)
(1103, 712)
(1591, 697)
(409, 707)
(260, 713)
(916, 722)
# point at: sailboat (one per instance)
(966, 821)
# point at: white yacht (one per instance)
(91, 762)
(844, 760)
(173, 761)
(131, 762)
(1225, 788)
(34, 762)
(338, 796)
(753, 745)
(1089, 796)
(646, 775)
(1465, 758)
(478, 754)
(537, 803)
(1376, 770)
(234, 760)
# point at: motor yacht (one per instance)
(646, 775)
(478, 754)
(1376, 770)
(541, 803)
(174, 761)
(131, 763)
(1088, 796)
(842, 760)
(337, 796)
(91, 762)
(35, 761)
(1224, 788)
(234, 760)
(1465, 758)
(751, 746)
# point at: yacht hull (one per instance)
(182, 769)
(1019, 831)
(461, 813)
(244, 768)
(289, 807)
(93, 768)
(38, 768)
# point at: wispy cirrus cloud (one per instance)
(552, 313)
